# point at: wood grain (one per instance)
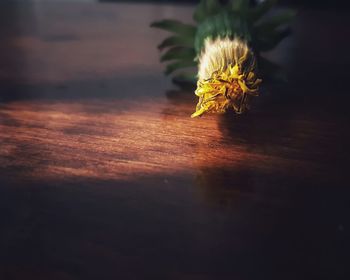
(104, 175)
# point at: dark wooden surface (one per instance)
(105, 176)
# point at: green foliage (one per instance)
(277, 20)
(185, 79)
(260, 10)
(229, 24)
(238, 18)
(270, 40)
(176, 27)
(177, 41)
(241, 6)
(181, 53)
(170, 68)
(205, 9)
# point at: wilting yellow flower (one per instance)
(226, 77)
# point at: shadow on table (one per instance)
(90, 227)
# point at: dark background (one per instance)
(310, 4)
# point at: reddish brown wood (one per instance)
(104, 174)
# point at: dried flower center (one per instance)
(227, 77)
(233, 90)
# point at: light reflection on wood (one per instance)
(117, 139)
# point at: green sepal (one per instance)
(269, 41)
(205, 9)
(181, 53)
(185, 79)
(175, 26)
(276, 21)
(170, 68)
(172, 41)
(236, 19)
(261, 9)
(240, 6)
(226, 24)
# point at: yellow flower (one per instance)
(226, 77)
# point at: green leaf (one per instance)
(175, 26)
(225, 24)
(182, 53)
(240, 6)
(270, 41)
(185, 79)
(269, 33)
(178, 65)
(275, 21)
(205, 9)
(261, 9)
(180, 41)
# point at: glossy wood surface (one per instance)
(105, 176)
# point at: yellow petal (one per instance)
(199, 112)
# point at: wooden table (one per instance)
(104, 175)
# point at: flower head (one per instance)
(226, 76)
